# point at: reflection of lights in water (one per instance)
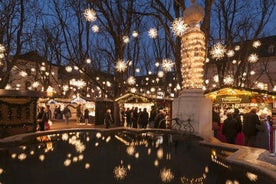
(87, 139)
(130, 150)
(49, 147)
(1, 170)
(41, 158)
(87, 166)
(80, 157)
(13, 156)
(156, 163)
(80, 147)
(160, 153)
(231, 182)
(120, 172)
(22, 156)
(122, 140)
(168, 156)
(67, 162)
(251, 176)
(214, 158)
(69, 155)
(96, 144)
(75, 159)
(32, 152)
(136, 155)
(166, 175)
(197, 180)
(108, 139)
(159, 140)
(149, 151)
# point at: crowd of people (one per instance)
(255, 128)
(142, 118)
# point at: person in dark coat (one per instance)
(230, 128)
(251, 120)
(237, 116)
(107, 118)
(158, 123)
(144, 118)
(135, 116)
(153, 114)
(215, 123)
(46, 117)
(263, 134)
(39, 118)
(128, 117)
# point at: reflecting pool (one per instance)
(118, 156)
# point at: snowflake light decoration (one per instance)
(152, 33)
(90, 15)
(125, 39)
(230, 53)
(228, 80)
(179, 27)
(217, 52)
(131, 80)
(253, 58)
(256, 44)
(135, 34)
(95, 28)
(167, 65)
(120, 66)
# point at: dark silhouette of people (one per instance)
(46, 117)
(152, 117)
(251, 120)
(230, 128)
(263, 134)
(158, 123)
(144, 118)
(39, 118)
(107, 118)
(86, 116)
(215, 122)
(67, 114)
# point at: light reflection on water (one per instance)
(121, 157)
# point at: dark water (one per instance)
(118, 157)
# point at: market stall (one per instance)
(228, 99)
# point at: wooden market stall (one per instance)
(18, 111)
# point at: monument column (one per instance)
(191, 102)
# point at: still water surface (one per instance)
(107, 157)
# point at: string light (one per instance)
(95, 28)
(192, 58)
(256, 44)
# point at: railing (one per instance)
(180, 125)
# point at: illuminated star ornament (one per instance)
(90, 15)
(167, 65)
(253, 58)
(120, 66)
(152, 33)
(95, 28)
(179, 27)
(120, 172)
(131, 80)
(217, 52)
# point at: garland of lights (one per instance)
(192, 58)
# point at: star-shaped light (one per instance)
(131, 80)
(95, 28)
(90, 15)
(153, 32)
(217, 52)
(256, 44)
(179, 27)
(120, 172)
(167, 65)
(228, 80)
(253, 58)
(120, 66)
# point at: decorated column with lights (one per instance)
(191, 104)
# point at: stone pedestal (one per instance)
(192, 104)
